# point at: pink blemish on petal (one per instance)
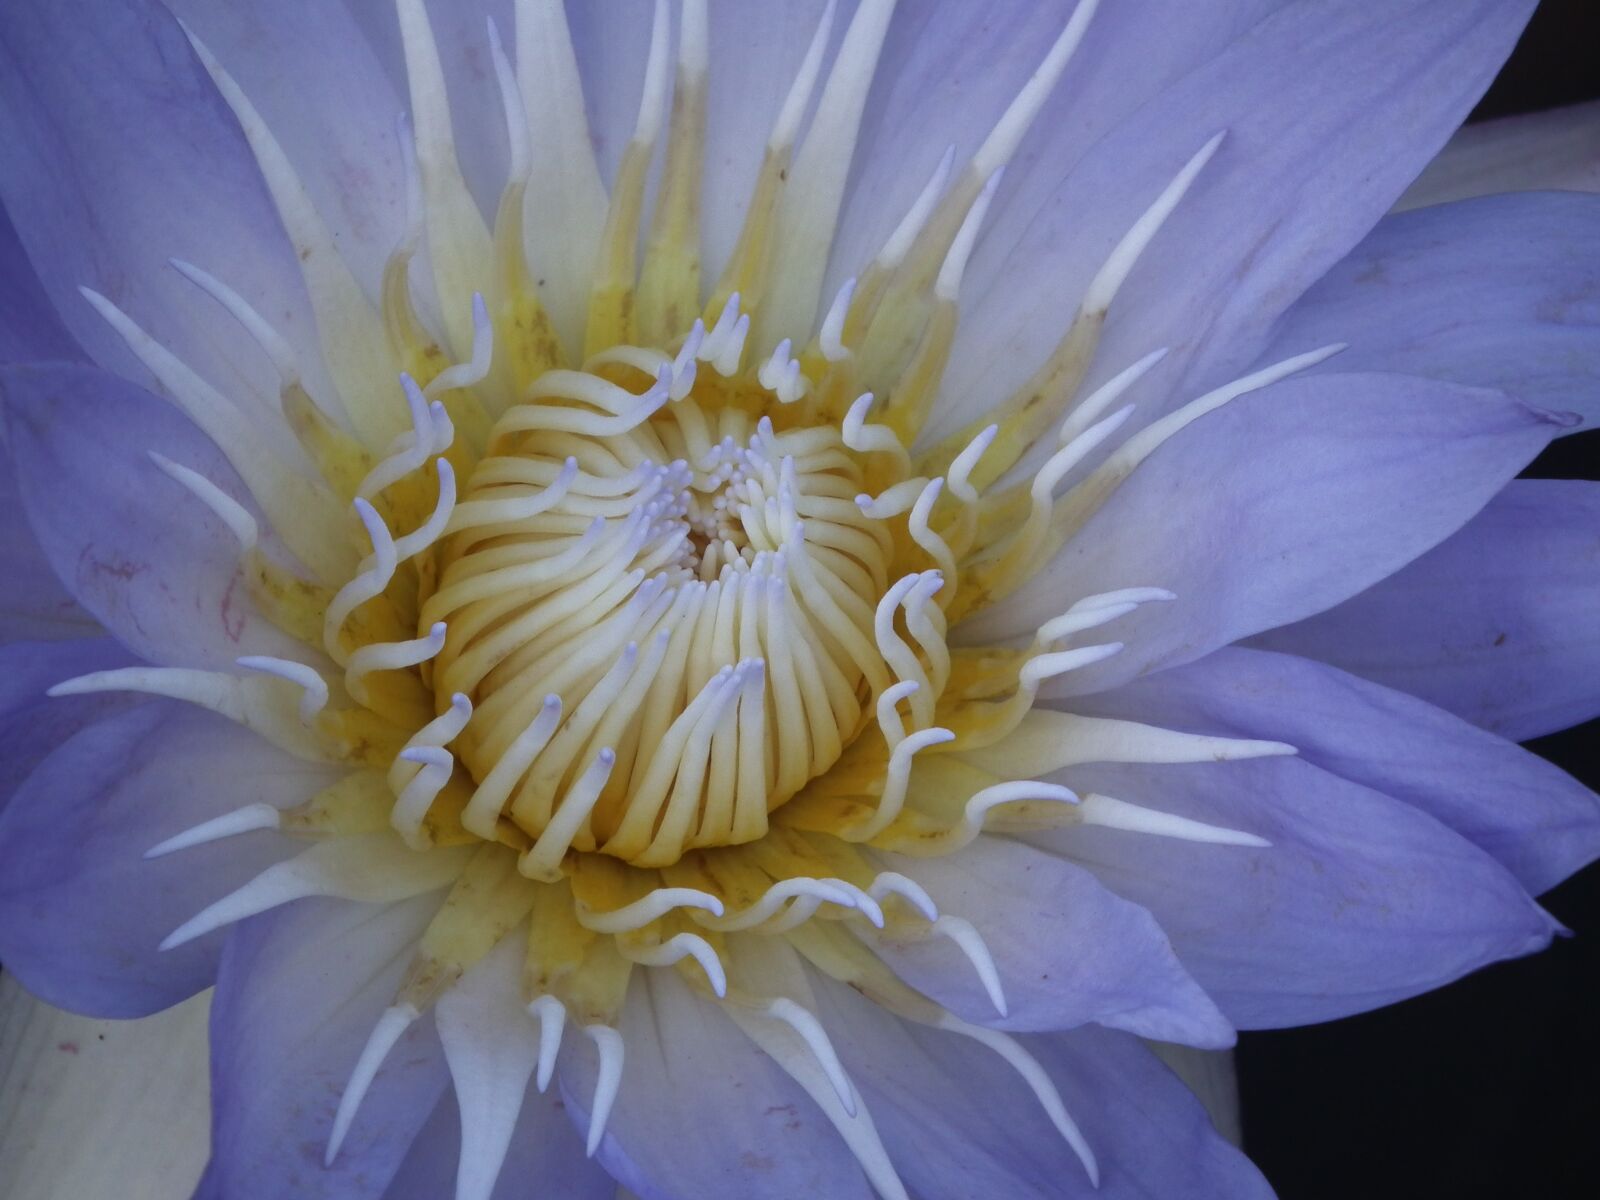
(358, 189)
(90, 565)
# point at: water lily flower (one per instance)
(746, 599)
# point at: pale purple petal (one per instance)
(546, 1157)
(1359, 901)
(82, 911)
(29, 669)
(1105, 960)
(461, 36)
(31, 727)
(1501, 291)
(1286, 501)
(1532, 817)
(949, 70)
(703, 1110)
(1499, 625)
(1330, 110)
(135, 548)
(306, 68)
(120, 154)
(1557, 150)
(29, 327)
(1211, 1076)
(959, 1122)
(298, 993)
(33, 602)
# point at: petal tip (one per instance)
(1560, 419)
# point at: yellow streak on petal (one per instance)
(358, 803)
(669, 287)
(487, 901)
(1035, 407)
(580, 968)
(611, 300)
(526, 345)
(341, 460)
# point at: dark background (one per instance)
(1490, 1087)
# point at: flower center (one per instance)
(657, 606)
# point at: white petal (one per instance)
(1557, 150)
(491, 1046)
(135, 1090)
